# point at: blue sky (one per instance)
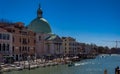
(89, 21)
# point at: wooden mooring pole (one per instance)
(105, 71)
(117, 70)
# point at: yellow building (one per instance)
(70, 46)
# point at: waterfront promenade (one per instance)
(36, 63)
(86, 66)
(32, 64)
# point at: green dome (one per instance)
(39, 25)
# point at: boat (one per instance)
(19, 68)
(33, 66)
(71, 64)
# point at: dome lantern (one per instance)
(39, 12)
(39, 24)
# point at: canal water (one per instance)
(88, 66)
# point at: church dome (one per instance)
(39, 24)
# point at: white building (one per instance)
(5, 43)
(47, 44)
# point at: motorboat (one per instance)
(71, 64)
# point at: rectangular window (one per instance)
(19, 31)
(0, 47)
(28, 41)
(13, 39)
(34, 41)
(28, 49)
(7, 47)
(13, 31)
(20, 40)
(24, 41)
(25, 48)
(39, 38)
(7, 36)
(34, 49)
(65, 44)
(65, 51)
(19, 49)
(20, 55)
(0, 36)
(65, 48)
(13, 49)
(3, 47)
(4, 36)
(22, 48)
(69, 43)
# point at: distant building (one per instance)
(87, 49)
(70, 46)
(115, 51)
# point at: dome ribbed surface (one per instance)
(39, 25)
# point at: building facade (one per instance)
(5, 44)
(70, 46)
(40, 44)
(53, 46)
(22, 40)
(47, 44)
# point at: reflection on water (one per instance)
(88, 66)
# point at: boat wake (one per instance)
(78, 64)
